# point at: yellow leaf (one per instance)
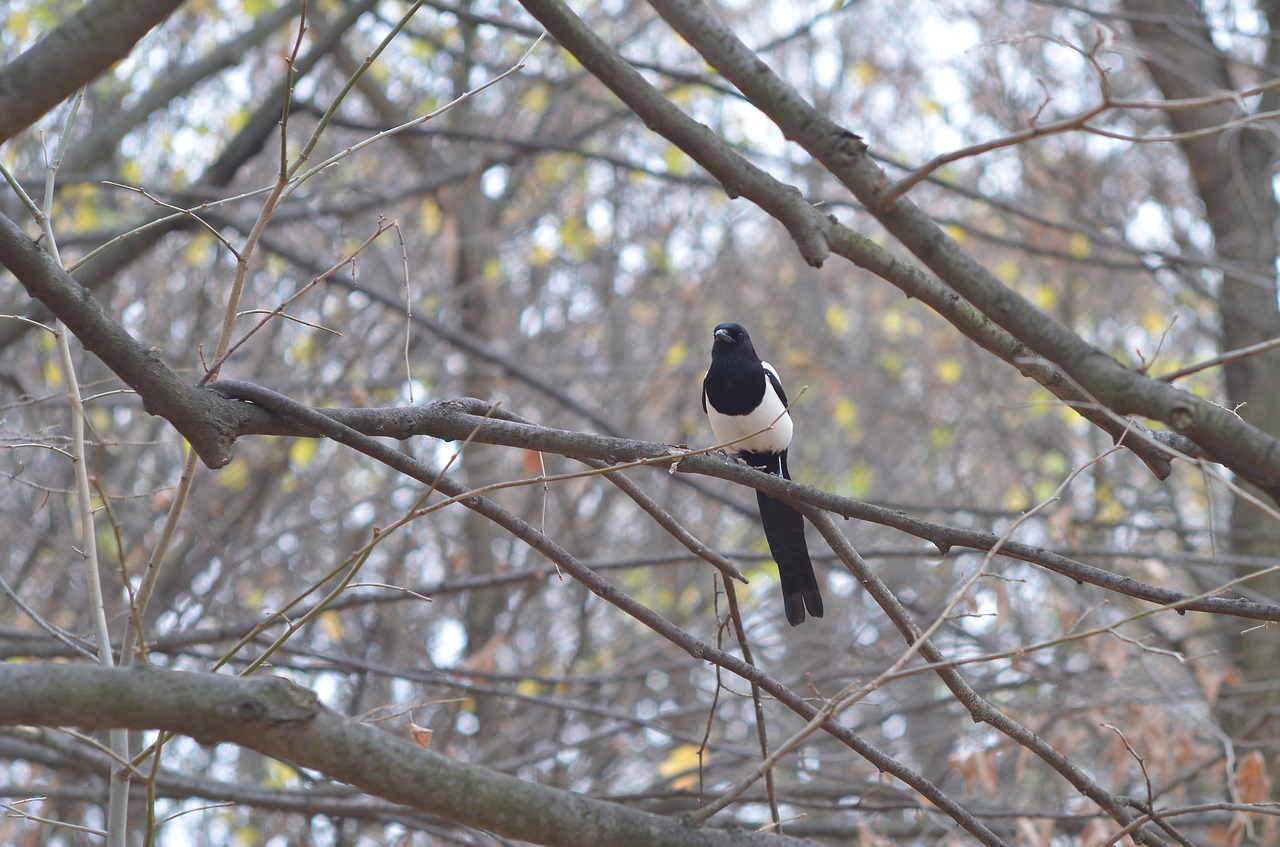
(675, 356)
(846, 414)
(682, 95)
(956, 232)
(247, 835)
(302, 451)
(683, 765)
(330, 624)
(837, 319)
(1043, 489)
(535, 99)
(689, 596)
(1155, 323)
(576, 238)
(430, 218)
(890, 362)
(1045, 297)
(52, 373)
(235, 476)
(1041, 403)
(86, 214)
(864, 71)
(301, 352)
(528, 688)
(860, 479)
(1112, 511)
(1053, 463)
(492, 270)
(1015, 500)
(197, 248)
(235, 120)
(108, 543)
(675, 160)
(18, 22)
(1007, 271)
(540, 256)
(949, 371)
(100, 418)
(939, 437)
(1079, 247)
(278, 774)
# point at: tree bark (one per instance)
(72, 55)
(1233, 173)
(280, 719)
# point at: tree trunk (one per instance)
(1233, 173)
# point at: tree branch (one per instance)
(1245, 449)
(280, 719)
(97, 36)
(455, 420)
(194, 413)
(538, 541)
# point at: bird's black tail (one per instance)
(784, 529)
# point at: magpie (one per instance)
(744, 401)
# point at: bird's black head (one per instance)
(728, 335)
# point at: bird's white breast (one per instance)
(770, 413)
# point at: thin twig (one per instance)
(1230, 356)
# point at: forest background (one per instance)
(1016, 262)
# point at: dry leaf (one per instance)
(420, 735)
(1212, 679)
(1113, 656)
(868, 838)
(484, 660)
(1251, 783)
(531, 462)
(977, 768)
(1035, 831)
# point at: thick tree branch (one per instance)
(194, 413)
(1245, 449)
(978, 707)
(456, 420)
(246, 144)
(212, 424)
(97, 36)
(736, 175)
(280, 719)
(101, 144)
(318, 422)
(807, 225)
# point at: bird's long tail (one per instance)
(784, 529)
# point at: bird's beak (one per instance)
(723, 335)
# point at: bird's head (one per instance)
(731, 335)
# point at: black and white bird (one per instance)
(744, 400)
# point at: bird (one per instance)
(747, 408)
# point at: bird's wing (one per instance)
(775, 382)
